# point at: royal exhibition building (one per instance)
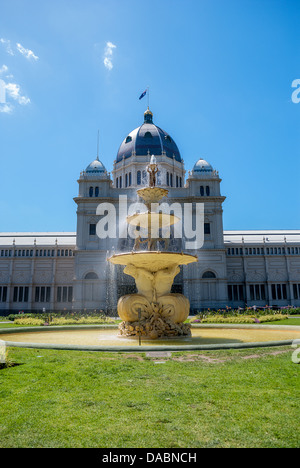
(69, 270)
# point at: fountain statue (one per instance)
(153, 312)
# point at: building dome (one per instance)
(96, 167)
(148, 139)
(202, 166)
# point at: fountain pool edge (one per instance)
(141, 349)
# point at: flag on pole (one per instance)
(143, 94)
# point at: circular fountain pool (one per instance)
(107, 339)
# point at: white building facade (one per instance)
(69, 271)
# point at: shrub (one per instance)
(29, 321)
(48, 320)
(81, 321)
(294, 311)
(243, 319)
(273, 318)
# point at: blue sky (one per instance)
(220, 76)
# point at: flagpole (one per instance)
(148, 96)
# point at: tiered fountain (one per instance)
(154, 312)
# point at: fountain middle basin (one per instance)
(152, 261)
(96, 338)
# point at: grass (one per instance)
(289, 321)
(205, 399)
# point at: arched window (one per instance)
(97, 192)
(209, 275)
(91, 276)
(128, 139)
(158, 180)
(202, 191)
(120, 181)
(168, 179)
(130, 177)
(168, 138)
(171, 180)
(177, 181)
(180, 181)
(148, 135)
(138, 178)
(126, 180)
(117, 182)
(91, 191)
(207, 191)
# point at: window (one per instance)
(148, 135)
(209, 275)
(128, 139)
(202, 191)
(296, 291)
(3, 293)
(42, 293)
(236, 292)
(171, 180)
(92, 229)
(207, 189)
(138, 178)
(168, 179)
(126, 180)
(180, 181)
(6, 253)
(130, 179)
(120, 178)
(97, 192)
(279, 292)
(64, 294)
(257, 292)
(206, 228)
(91, 276)
(177, 181)
(20, 294)
(91, 191)
(168, 138)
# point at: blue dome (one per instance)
(203, 166)
(95, 167)
(148, 139)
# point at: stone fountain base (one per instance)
(154, 328)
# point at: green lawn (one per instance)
(236, 398)
(289, 321)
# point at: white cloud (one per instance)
(29, 54)
(26, 52)
(3, 69)
(7, 44)
(6, 108)
(108, 53)
(14, 91)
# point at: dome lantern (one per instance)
(148, 116)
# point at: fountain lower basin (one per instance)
(96, 338)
